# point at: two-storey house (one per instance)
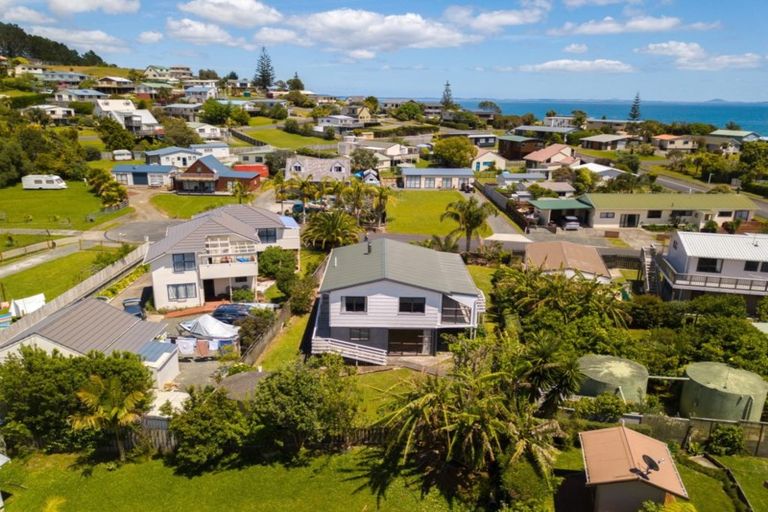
(340, 123)
(180, 158)
(385, 297)
(215, 253)
(697, 263)
(318, 169)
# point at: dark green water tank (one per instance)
(715, 390)
(609, 374)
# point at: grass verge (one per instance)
(184, 207)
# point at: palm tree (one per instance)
(470, 215)
(241, 193)
(331, 229)
(110, 408)
(382, 196)
(355, 197)
(306, 189)
(277, 183)
(448, 243)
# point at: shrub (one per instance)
(92, 154)
(524, 484)
(254, 326)
(726, 440)
(329, 133)
(302, 295)
(291, 126)
(286, 279)
(274, 259)
(243, 295)
(605, 408)
(762, 309)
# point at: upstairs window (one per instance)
(751, 266)
(268, 235)
(654, 214)
(710, 265)
(354, 304)
(337, 168)
(412, 304)
(184, 262)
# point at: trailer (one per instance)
(42, 181)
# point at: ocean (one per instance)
(750, 116)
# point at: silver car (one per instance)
(571, 223)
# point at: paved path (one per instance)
(54, 232)
(37, 259)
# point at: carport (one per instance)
(550, 210)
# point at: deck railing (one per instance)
(715, 281)
(349, 350)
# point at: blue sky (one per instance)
(517, 49)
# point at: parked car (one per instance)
(570, 223)
(231, 313)
(134, 307)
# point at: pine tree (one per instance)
(447, 100)
(634, 112)
(265, 73)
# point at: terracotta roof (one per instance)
(548, 152)
(620, 454)
(566, 256)
(666, 136)
(260, 169)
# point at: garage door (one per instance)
(406, 341)
(140, 178)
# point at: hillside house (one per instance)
(340, 123)
(488, 159)
(605, 142)
(180, 72)
(551, 157)
(385, 297)
(62, 78)
(729, 141)
(615, 125)
(436, 178)
(153, 72)
(152, 90)
(389, 154)
(57, 114)
(114, 85)
(517, 147)
(199, 94)
(567, 258)
(142, 175)
(178, 158)
(67, 96)
(219, 150)
(512, 179)
(207, 175)
(318, 169)
(186, 111)
(684, 143)
(206, 131)
(359, 112)
(543, 132)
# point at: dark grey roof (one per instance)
(94, 325)
(400, 262)
(154, 350)
(238, 219)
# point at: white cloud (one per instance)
(150, 37)
(692, 56)
(582, 3)
(361, 54)
(270, 35)
(95, 40)
(609, 25)
(107, 6)
(493, 21)
(240, 13)
(579, 66)
(349, 30)
(576, 48)
(197, 32)
(21, 14)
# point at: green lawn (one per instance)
(52, 209)
(51, 278)
(107, 165)
(17, 241)
(618, 242)
(328, 483)
(311, 258)
(281, 139)
(663, 171)
(750, 472)
(374, 389)
(184, 207)
(285, 347)
(260, 121)
(614, 154)
(95, 71)
(13, 93)
(482, 277)
(706, 493)
(570, 460)
(417, 212)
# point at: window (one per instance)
(682, 213)
(121, 178)
(412, 182)
(354, 304)
(725, 214)
(412, 304)
(268, 235)
(709, 265)
(182, 291)
(297, 168)
(764, 266)
(241, 279)
(607, 215)
(674, 244)
(429, 182)
(337, 168)
(654, 214)
(184, 262)
(751, 266)
(359, 335)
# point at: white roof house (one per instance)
(604, 172)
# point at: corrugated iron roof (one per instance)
(669, 201)
(752, 247)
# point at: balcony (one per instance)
(703, 281)
(455, 314)
(216, 267)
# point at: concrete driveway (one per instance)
(140, 231)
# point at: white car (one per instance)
(570, 223)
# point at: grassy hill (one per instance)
(95, 71)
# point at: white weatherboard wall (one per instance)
(382, 306)
(163, 275)
(37, 341)
(698, 218)
(165, 369)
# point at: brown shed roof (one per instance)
(620, 454)
(548, 152)
(565, 256)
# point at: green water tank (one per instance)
(608, 374)
(715, 390)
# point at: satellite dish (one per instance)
(650, 464)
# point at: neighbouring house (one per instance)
(260, 169)
(207, 175)
(616, 125)
(385, 297)
(69, 95)
(268, 103)
(561, 188)
(543, 132)
(29, 69)
(488, 159)
(108, 107)
(667, 142)
(114, 85)
(237, 86)
(142, 175)
(436, 178)
(57, 114)
(186, 111)
(625, 468)
(91, 325)
(214, 253)
(432, 108)
(567, 258)
(516, 147)
(512, 179)
(142, 123)
(389, 154)
(359, 112)
(714, 263)
(483, 140)
(151, 90)
(318, 169)
(219, 150)
(179, 158)
(153, 72)
(199, 94)
(180, 72)
(206, 131)
(632, 210)
(369, 177)
(729, 141)
(255, 155)
(560, 121)
(553, 211)
(605, 142)
(62, 78)
(602, 172)
(551, 157)
(340, 123)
